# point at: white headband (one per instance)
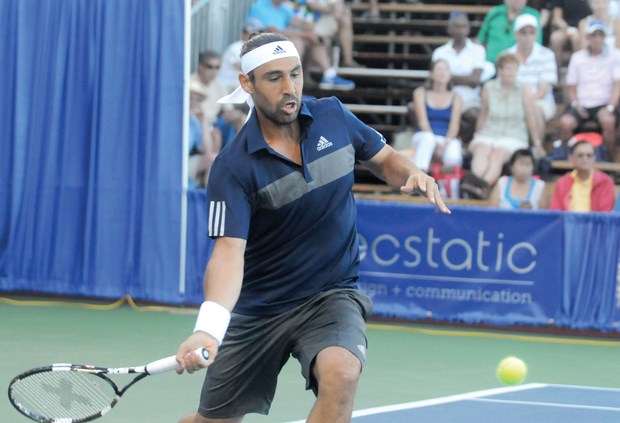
(255, 58)
(266, 53)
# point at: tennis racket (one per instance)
(73, 393)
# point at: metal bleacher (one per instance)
(395, 50)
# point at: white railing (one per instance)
(215, 24)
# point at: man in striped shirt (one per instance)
(593, 87)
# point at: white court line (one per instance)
(593, 388)
(442, 400)
(545, 404)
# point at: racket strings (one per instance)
(63, 394)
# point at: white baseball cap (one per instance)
(525, 20)
(594, 26)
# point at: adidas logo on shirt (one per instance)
(323, 143)
(278, 50)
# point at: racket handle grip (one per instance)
(170, 363)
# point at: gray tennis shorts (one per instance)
(244, 376)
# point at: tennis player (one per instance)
(286, 260)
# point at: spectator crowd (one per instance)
(485, 107)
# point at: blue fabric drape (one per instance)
(593, 250)
(91, 106)
(199, 245)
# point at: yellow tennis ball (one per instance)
(511, 371)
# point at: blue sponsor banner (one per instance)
(476, 265)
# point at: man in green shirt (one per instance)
(497, 32)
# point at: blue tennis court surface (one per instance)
(533, 402)
(526, 403)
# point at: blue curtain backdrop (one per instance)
(590, 276)
(199, 246)
(91, 104)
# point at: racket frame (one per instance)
(156, 367)
(100, 372)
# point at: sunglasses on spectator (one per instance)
(209, 66)
(582, 155)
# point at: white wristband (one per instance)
(213, 319)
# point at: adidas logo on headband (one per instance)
(266, 53)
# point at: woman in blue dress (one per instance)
(438, 112)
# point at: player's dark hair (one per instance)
(257, 40)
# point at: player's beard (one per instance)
(276, 114)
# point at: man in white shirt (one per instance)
(538, 70)
(593, 88)
(467, 65)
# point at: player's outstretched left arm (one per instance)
(400, 172)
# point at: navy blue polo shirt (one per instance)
(298, 220)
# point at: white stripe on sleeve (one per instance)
(217, 218)
(211, 204)
(223, 222)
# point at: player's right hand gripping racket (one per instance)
(73, 393)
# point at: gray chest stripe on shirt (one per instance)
(293, 186)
